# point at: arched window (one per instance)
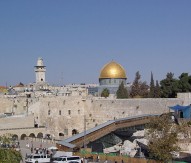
(40, 135)
(23, 136)
(74, 132)
(61, 134)
(15, 137)
(32, 135)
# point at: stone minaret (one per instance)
(40, 70)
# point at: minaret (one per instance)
(40, 70)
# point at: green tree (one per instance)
(9, 155)
(144, 90)
(138, 88)
(169, 86)
(162, 135)
(122, 91)
(157, 90)
(184, 83)
(152, 87)
(135, 88)
(105, 93)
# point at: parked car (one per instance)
(67, 159)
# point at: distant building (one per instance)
(93, 90)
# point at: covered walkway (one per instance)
(82, 139)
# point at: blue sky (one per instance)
(77, 37)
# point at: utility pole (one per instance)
(27, 105)
(84, 131)
(62, 79)
(84, 143)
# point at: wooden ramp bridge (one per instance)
(82, 139)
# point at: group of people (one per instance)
(41, 151)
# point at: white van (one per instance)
(67, 159)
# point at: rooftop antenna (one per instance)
(62, 79)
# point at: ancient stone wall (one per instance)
(62, 114)
(17, 122)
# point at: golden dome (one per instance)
(113, 70)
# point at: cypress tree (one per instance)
(122, 91)
(152, 87)
(157, 90)
(135, 88)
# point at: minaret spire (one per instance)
(40, 70)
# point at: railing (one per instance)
(42, 140)
(23, 128)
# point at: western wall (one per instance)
(67, 115)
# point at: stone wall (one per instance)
(62, 114)
(17, 122)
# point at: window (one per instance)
(60, 112)
(66, 131)
(74, 132)
(78, 111)
(61, 134)
(48, 112)
(69, 112)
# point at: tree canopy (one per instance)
(105, 93)
(169, 86)
(157, 90)
(8, 155)
(139, 88)
(162, 135)
(122, 91)
(184, 83)
(152, 87)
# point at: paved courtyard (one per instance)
(25, 146)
